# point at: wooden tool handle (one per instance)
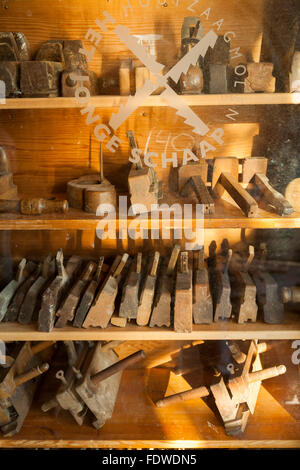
(173, 259)
(40, 206)
(118, 367)
(155, 264)
(266, 373)
(31, 374)
(199, 392)
(243, 199)
(291, 294)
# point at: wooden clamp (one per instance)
(101, 380)
(243, 291)
(269, 303)
(16, 303)
(183, 307)
(88, 296)
(219, 281)
(254, 170)
(104, 304)
(57, 289)
(197, 186)
(161, 311)
(130, 296)
(225, 177)
(67, 310)
(65, 396)
(90, 191)
(147, 295)
(17, 388)
(6, 295)
(30, 305)
(202, 301)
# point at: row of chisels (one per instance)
(146, 289)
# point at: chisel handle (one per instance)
(39, 206)
(198, 392)
(118, 367)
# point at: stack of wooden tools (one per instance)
(232, 375)
(56, 70)
(147, 289)
(91, 191)
(19, 372)
(90, 382)
(144, 187)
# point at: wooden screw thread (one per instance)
(118, 367)
(199, 392)
(266, 373)
(31, 374)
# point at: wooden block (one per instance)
(260, 78)
(220, 283)
(292, 193)
(10, 75)
(269, 304)
(220, 53)
(130, 296)
(273, 197)
(51, 51)
(70, 84)
(14, 47)
(185, 172)
(221, 165)
(243, 199)
(192, 82)
(40, 79)
(67, 309)
(104, 304)
(196, 185)
(253, 165)
(202, 301)
(88, 297)
(295, 73)
(12, 193)
(64, 51)
(220, 78)
(87, 193)
(6, 183)
(183, 307)
(124, 77)
(147, 294)
(118, 321)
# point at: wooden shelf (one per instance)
(226, 216)
(289, 329)
(137, 423)
(111, 101)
